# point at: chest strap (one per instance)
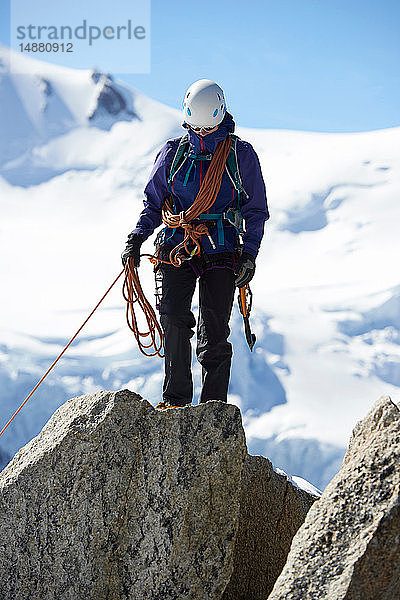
(232, 215)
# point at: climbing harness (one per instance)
(185, 250)
(205, 198)
(233, 215)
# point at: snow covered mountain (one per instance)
(76, 148)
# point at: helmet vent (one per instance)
(215, 112)
(219, 97)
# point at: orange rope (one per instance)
(60, 355)
(204, 200)
(132, 290)
(133, 293)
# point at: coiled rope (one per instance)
(205, 198)
(133, 294)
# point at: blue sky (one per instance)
(316, 65)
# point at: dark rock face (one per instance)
(271, 511)
(113, 103)
(109, 100)
(349, 545)
(46, 86)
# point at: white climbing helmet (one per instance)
(204, 104)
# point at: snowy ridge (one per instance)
(75, 152)
(300, 483)
(51, 102)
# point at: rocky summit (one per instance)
(115, 500)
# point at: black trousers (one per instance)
(214, 352)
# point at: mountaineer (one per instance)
(221, 254)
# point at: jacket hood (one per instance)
(211, 140)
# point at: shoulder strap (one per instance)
(179, 157)
(232, 167)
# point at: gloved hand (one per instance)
(245, 269)
(133, 244)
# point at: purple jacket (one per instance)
(186, 184)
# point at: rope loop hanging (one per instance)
(133, 294)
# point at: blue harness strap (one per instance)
(218, 218)
(194, 157)
(232, 215)
(188, 172)
(177, 161)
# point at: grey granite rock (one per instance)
(115, 500)
(271, 511)
(349, 545)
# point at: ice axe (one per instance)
(245, 299)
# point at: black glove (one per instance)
(245, 269)
(135, 240)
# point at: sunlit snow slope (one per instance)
(76, 148)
